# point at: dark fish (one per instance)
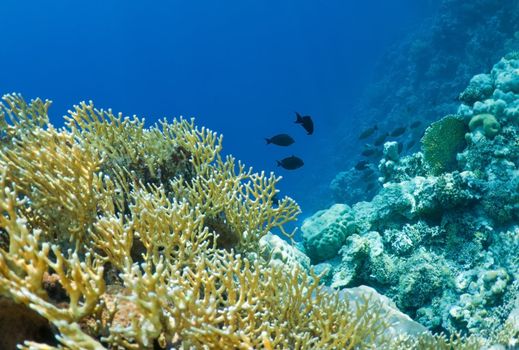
(368, 132)
(410, 145)
(400, 147)
(381, 139)
(280, 140)
(306, 122)
(415, 124)
(275, 200)
(369, 171)
(398, 131)
(361, 165)
(369, 151)
(291, 163)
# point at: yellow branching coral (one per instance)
(131, 223)
(17, 116)
(224, 302)
(22, 268)
(202, 144)
(164, 228)
(238, 200)
(122, 141)
(57, 175)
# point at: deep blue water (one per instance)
(240, 67)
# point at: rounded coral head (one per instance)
(486, 122)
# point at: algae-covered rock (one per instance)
(427, 275)
(442, 141)
(405, 169)
(355, 256)
(326, 231)
(480, 87)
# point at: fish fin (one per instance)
(299, 119)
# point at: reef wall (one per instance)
(421, 77)
(441, 238)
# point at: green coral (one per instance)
(442, 141)
(487, 123)
(325, 232)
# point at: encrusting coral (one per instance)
(130, 224)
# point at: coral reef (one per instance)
(352, 186)
(441, 237)
(443, 140)
(326, 231)
(420, 76)
(117, 236)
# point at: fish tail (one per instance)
(268, 141)
(279, 163)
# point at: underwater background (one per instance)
(240, 68)
(396, 222)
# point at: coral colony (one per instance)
(118, 236)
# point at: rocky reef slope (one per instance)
(441, 238)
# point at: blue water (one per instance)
(240, 67)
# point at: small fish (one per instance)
(361, 165)
(410, 145)
(368, 132)
(369, 171)
(369, 151)
(291, 163)
(280, 140)
(379, 141)
(415, 124)
(306, 122)
(398, 131)
(275, 200)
